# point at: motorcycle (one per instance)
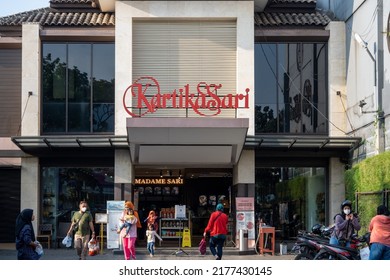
(334, 252)
(308, 243)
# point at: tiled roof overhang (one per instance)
(52, 17)
(292, 19)
(94, 17)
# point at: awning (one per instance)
(202, 142)
(42, 146)
(309, 145)
(198, 142)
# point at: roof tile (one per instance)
(71, 1)
(265, 19)
(49, 17)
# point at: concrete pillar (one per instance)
(123, 66)
(244, 181)
(30, 119)
(124, 175)
(336, 187)
(29, 187)
(31, 79)
(337, 78)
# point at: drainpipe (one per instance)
(380, 67)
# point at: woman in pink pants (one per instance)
(128, 240)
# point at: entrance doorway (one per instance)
(200, 190)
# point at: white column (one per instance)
(337, 78)
(31, 79)
(29, 186)
(336, 187)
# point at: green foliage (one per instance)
(368, 178)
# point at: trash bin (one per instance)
(283, 248)
(243, 240)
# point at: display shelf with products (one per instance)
(171, 228)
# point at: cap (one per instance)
(219, 207)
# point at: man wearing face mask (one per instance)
(345, 225)
(82, 222)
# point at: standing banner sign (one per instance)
(245, 216)
(114, 211)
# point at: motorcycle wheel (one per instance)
(303, 256)
(323, 256)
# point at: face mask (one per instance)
(347, 211)
(83, 209)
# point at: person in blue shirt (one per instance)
(25, 236)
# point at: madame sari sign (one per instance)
(202, 99)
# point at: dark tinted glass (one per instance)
(79, 117)
(103, 71)
(291, 91)
(54, 87)
(79, 72)
(103, 117)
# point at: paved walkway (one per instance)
(8, 252)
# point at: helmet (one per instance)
(346, 203)
(316, 229)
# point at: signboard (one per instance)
(101, 218)
(245, 216)
(158, 181)
(203, 99)
(114, 213)
(180, 212)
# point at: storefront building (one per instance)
(175, 102)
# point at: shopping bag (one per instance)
(39, 249)
(67, 241)
(202, 246)
(93, 247)
(364, 253)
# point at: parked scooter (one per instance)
(333, 252)
(308, 243)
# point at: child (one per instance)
(151, 235)
(152, 219)
(127, 221)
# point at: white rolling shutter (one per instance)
(182, 52)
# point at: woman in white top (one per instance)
(151, 235)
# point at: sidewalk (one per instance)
(8, 252)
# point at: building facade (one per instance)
(176, 102)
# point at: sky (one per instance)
(10, 7)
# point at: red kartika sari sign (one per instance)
(201, 99)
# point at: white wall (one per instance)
(126, 11)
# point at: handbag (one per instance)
(202, 246)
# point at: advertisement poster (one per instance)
(245, 216)
(114, 212)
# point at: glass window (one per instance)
(78, 87)
(54, 87)
(291, 198)
(63, 188)
(103, 88)
(290, 84)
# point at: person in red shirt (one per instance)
(380, 235)
(217, 226)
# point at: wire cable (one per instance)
(24, 111)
